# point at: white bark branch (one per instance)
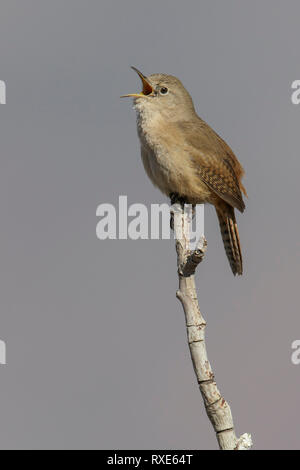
(216, 406)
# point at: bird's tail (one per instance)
(230, 235)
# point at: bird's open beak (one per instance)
(147, 87)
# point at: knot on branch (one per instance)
(193, 258)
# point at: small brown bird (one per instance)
(185, 157)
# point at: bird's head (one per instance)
(164, 94)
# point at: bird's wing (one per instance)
(214, 162)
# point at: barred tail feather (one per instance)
(230, 235)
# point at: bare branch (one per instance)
(217, 409)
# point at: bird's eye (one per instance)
(164, 91)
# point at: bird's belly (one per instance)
(169, 166)
(171, 173)
(159, 169)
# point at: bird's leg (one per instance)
(193, 210)
(175, 198)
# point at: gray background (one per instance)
(91, 362)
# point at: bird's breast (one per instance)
(166, 158)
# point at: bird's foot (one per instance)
(177, 199)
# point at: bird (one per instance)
(186, 159)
